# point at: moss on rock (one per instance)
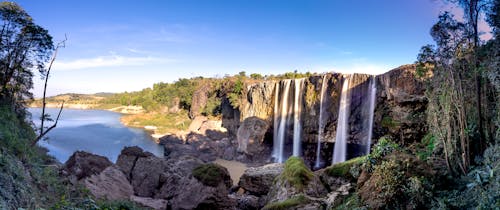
(286, 204)
(296, 172)
(212, 174)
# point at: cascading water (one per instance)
(283, 118)
(297, 111)
(321, 122)
(373, 93)
(339, 152)
(276, 121)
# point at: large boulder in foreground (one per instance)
(83, 164)
(211, 182)
(258, 180)
(110, 184)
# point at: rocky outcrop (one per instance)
(250, 136)
(258, 101)
(258, 180)
(199, 100)
(155, 182)
(401, 105)
(196, 123)
(83, 164)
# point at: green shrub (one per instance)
(383, 147)
(351, 202)
(210, 174)
(286, 204)
(296, 172)
(426, 147)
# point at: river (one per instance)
(96, 131)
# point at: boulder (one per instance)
(197, 123)
(142, 169)
(258, 180)
(128, 157)
(251, 135)
(196, 195)
(110, 184)
(83, 164)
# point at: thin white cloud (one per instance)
(108, 61)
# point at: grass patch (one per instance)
(343, 169)
(296, 172)
(106, 106)
(286, 204)
(165, 122)
(210, 174)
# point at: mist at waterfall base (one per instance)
(95, 131)
(289, 103)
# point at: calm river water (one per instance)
(96, 131)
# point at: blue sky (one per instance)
(116, 46)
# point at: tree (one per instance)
(24, 47)
(473, 9)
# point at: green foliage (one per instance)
(427, 147)
(256, 76)
(479, 189)
(213, 107)
(351, 202)
(343, 169)
(388, 122)
(24, 47)
(235, 95)
(383, 147)
(399, 180)
(287, 204)
(210, 174)
(296, 172)
(389, 179)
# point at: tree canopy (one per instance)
(25, 47)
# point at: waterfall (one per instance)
(373, 93)
(297, 111)
(321, 123)
(276, 120)
(339, 152)
(283, 118)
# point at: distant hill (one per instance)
(74, 98)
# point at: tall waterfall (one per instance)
(287, 112)
(339, 152)
(283, 121)
(373, 93)
(276, 121)
(297, 112)
(321, 122)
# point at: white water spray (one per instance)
(339, 153)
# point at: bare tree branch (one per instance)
(61, 44)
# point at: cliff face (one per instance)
(399, 110)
